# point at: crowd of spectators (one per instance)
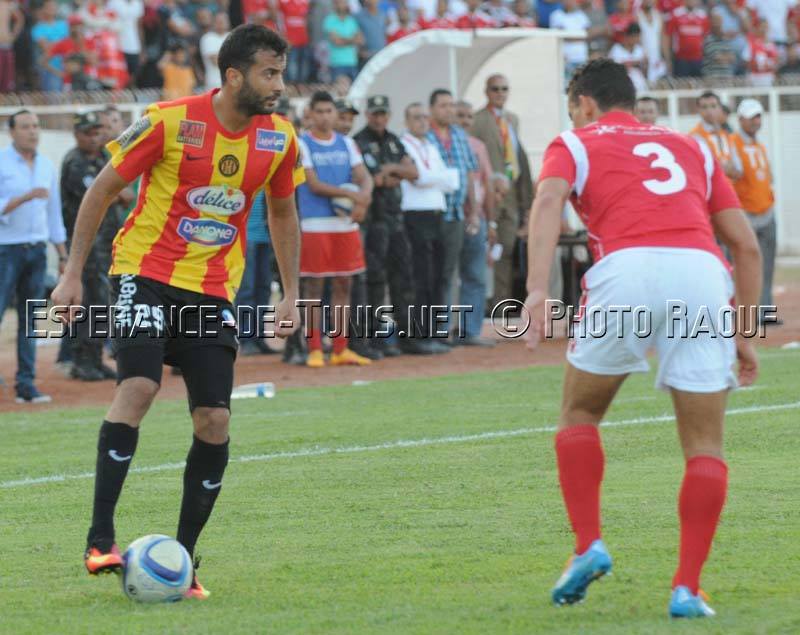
(56, 45)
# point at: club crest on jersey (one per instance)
(228, 165)
(270, 140)
(134, 131)
(217, 199)
(191, 133)
(206, 232)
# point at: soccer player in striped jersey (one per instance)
(177, 263)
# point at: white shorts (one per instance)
(676, 301)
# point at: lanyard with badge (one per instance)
(420, 149)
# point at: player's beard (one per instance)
(250, 103)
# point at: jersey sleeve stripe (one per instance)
(579, 155)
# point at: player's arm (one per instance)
(361, 178)
(321, 188)
(284, 231)
(544, 227)
(102, 192)
(734, 231)
(405, 169)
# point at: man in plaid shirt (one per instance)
(453, 145)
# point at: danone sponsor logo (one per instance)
(210, 233)
(217, 199)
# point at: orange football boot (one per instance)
(197, 591)
(98, 562)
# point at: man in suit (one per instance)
(499, 130)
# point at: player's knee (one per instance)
(133, 399)
(211, 424)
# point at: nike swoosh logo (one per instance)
(121, 459)
(192, 157)
(209, 485)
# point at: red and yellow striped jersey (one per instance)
(189, 226)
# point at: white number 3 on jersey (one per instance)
(666, 160)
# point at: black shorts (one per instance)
(156, 324)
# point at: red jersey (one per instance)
(668, 6)
(619, 22)
(438, 23)
(477, 20)
(763, 56)
(688, 31)
(413, 27)
(294, 14)
(637, 185)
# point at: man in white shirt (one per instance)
(572, 18)
(423, 211)
(129, 12)
(30, 216)
(210, 44)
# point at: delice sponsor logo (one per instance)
(210, 233)
(217, 199)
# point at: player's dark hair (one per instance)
(709, 94)
(606, 82)
(438, 93)
(646, 99)
(321, 97)
(241, 45)
(12, 120)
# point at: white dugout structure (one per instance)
(409, 69)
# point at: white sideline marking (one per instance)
(389, 445)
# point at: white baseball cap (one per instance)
(750, 108)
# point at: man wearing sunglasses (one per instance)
(499, 130)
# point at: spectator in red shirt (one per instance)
(666, 7)
(75, 43)
(621, 20)
(761, 56)
(442, 20)
(102, 26)
(475, 17)
(405, 26)
(687, 30)
(294, 17)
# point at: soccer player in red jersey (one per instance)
(652, 201)
(177, 263)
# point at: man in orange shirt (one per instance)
(754, 188)
(714, 135)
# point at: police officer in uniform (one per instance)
(386, 247)
(80, 167)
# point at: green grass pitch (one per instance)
(409, 506)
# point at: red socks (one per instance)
(339, 343)
(314, 339)
(580, 471)
(702, 497)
